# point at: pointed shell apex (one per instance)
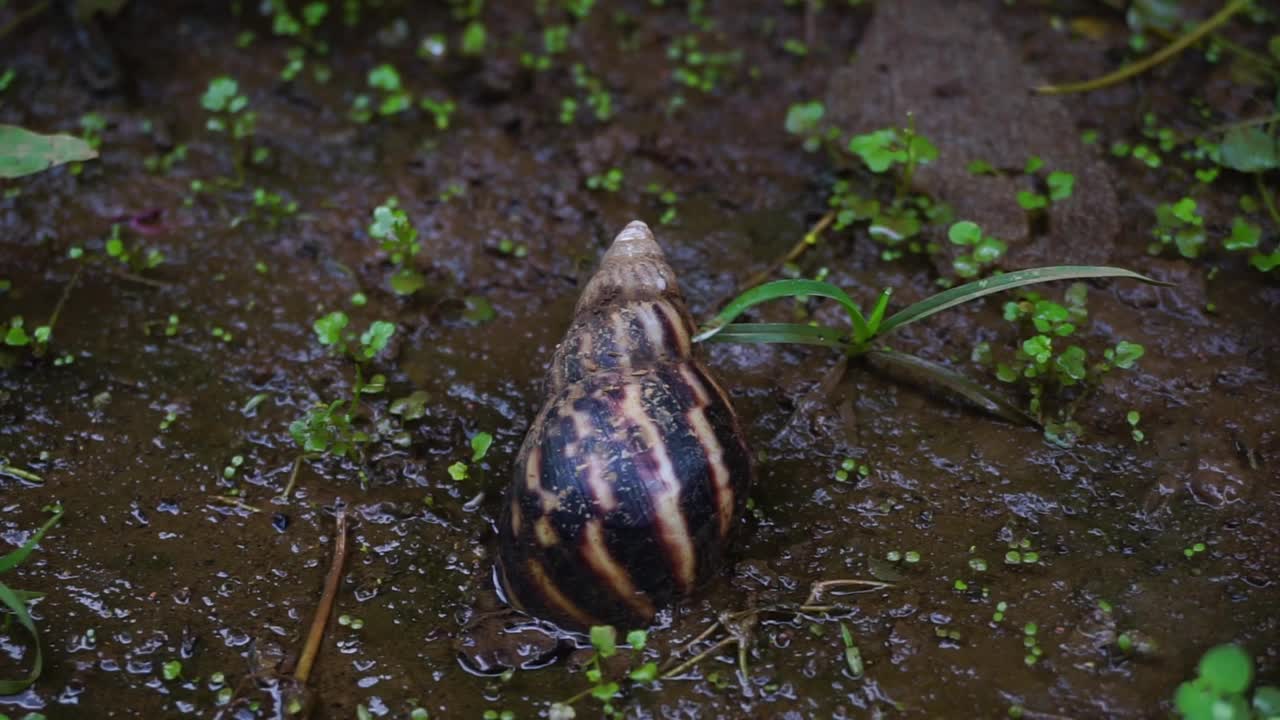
(635, 240)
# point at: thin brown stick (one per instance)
(810, 239)
(1155, 58)
(22, 17)
(136, 278)
(332, 582)
(62, 299)
(697, 658)
(818, 588)
(1267, 200)
(235, 502)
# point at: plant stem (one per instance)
(62, 299)
(697, 658)
(21, 474)
(1267, 200)
(293, 476)
(22, 17)
(1136, 68)
(332, 582)
(810, 239)
(1238, 125)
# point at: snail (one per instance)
(632, 478)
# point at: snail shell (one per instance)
(633, 476)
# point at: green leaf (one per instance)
(965, 232)
(16, 604)
(1038, 348)
(16, 336)
(1266, 701)
(374, 340)
(220, 93)
(1228, 669)
(1248, 149)
(803, 118)
(604, 691)
(385, 77)
(480, 443)
(1126, 354)
(1265, 263)
(15, 558)
(459, 471)
(479, 309)
(988, 250)
(1194, 701)
(407, 281)
(19, 610)
(605, 640)
(1071, 364)
(1028, 200)
(951, 380)
(329, 328)
(1244, 235)
(23, 152)
(783, 289)
(411, 407)
(474, 38)
(980, 288)
(876, 149)
(637, 638)
(1061, 185)
(782, 333)
(645, 673)
(172, 670)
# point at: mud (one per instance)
(149, 566)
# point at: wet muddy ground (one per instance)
(137, 436)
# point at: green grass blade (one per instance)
(19, 610)
(951, 380)
(877, 313)
(1008, 281)
(15, 558)
(783, 289)
(782, 333)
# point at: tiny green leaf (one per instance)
(480, 443)
(1244, 235)
(1227, 669)
(605, 640)
(329, 328)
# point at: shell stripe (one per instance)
(546, 587)
(672, 529)
(533, 480)
(675, 326)
(704, 432)
(596, 554)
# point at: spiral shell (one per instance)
(633, 476)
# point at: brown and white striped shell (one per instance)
(632, 478)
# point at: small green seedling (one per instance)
(229, 114)
(1221, 689)
(610, 181)
(984, 250)
(399, 239)
(1179, 225)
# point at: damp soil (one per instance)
(151, 563)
